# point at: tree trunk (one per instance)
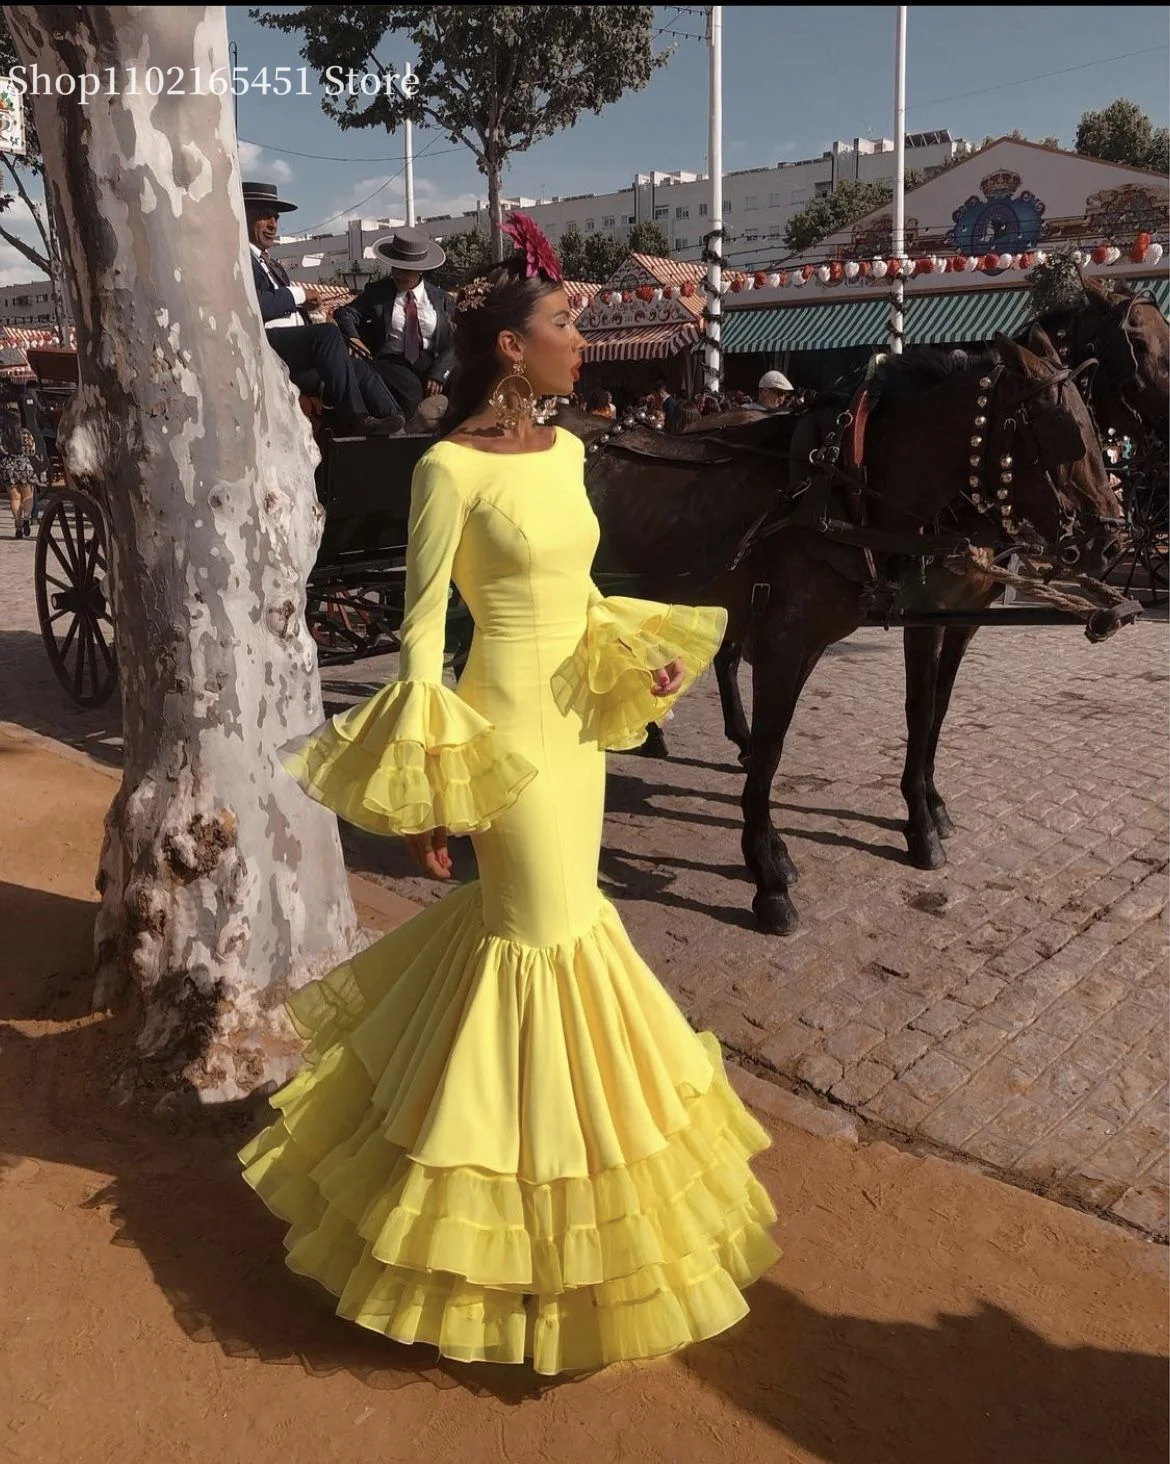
(495, 209)
(57, 281)
(223, 887)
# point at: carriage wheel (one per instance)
(349, 624)
(71, 598)
(1147, 562)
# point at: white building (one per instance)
(757, 204)
(29, 305)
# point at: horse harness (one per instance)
(1084, 354)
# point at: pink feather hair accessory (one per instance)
(539, 255)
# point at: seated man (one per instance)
(775, 392)
(402, 324)
(356, 405)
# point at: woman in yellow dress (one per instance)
(506, 1141)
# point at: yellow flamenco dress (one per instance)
(506, 1141)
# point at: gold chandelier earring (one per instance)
(514, 399)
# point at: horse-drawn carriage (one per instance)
(356, 590)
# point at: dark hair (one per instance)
(600, 399)
(10, 425)
(509, 304)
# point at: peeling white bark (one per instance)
(223, 888)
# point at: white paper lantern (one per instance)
(823, 273)
(880, 269)
(1153, 254)
(796, 278)
(852, 269)
(657, 296)
(1041, 257)
(1114, 254)
(1004, 261)
(773, 281)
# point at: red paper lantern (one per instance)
(736, 286)
(1101, 254)
(783, 278)
(807, 271)
(836, 270)
(957, 264)
(759, 279)
(1142, 243)
(644, 292)
(865, 268)
(923, 266)
(891, 269)
(688, 287)
(989, 262)
(627, 296)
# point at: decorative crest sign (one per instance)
(12, 138)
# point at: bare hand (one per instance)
(312, 299)
(429, 852)
(434, 388)
(669, 679)
(359, 347)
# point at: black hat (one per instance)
(410, 249)
(265, 193)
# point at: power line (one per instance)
(1043, 76)
(426, 152)
(326, 157)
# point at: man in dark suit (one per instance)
(358, 400)
(402, 325)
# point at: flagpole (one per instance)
(409, 177)
(898, 251)
(712, 350)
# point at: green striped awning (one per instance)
(959, 315)
(955, 318)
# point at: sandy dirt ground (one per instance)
(922, 1313)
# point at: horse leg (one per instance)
(776, 688)
(954, 648)
(922, 648)
(735, 726)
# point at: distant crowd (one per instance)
(672, 411)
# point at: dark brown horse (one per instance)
(949, 434)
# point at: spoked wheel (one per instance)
(72, 601)
(1145, 570)
(348, 624)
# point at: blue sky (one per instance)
(795, 78)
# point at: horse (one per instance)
(990, 451)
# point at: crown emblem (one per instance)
(1000, 185)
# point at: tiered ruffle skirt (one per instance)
(514, 1153)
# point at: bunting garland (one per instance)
(1143, 250)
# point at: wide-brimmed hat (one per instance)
(265, 193)
(410, 249)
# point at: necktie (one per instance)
(411, 334)
(275, 269)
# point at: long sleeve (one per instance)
(609, 678)
(415, 756)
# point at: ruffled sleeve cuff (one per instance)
(607, 680)
(413, 757)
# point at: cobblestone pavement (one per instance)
(1010, 1009)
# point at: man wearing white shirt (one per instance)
(401, 324)
(357, 399)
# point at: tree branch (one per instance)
(27, 250)
(29, 204)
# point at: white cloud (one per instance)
(256, 164)
(14, 268)
(382, 196)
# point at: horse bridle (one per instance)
(1066, 347)
(1028, 422)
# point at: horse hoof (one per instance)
(942, 822)
(775, 914)
(926, 851)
